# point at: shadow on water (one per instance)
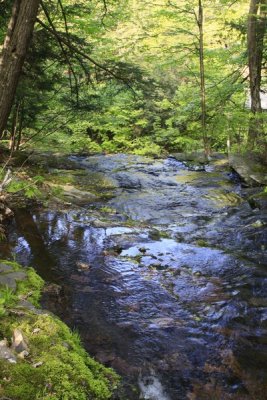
(177, 307)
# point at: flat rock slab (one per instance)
(249, 167)
(5, 268)
(11, 279)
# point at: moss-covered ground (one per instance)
(56, 366)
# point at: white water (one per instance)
(151, 388)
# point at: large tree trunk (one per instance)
(255, 42)
(14, 51)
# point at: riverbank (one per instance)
(40, 358)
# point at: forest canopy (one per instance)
(133, 76)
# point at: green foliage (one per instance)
(146, 96)
(28, 186)
(7, 298)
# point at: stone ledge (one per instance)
(249, 168)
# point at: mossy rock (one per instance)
(197, 157)
(250, 168)
(259, 200)
(57, 367)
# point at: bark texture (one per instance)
(17, 40)
(199, 17)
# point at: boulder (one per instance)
(195, 157)
(250, 168)
(127, 180)
(10, 279)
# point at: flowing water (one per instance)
(164, 277)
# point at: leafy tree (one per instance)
(257, 20)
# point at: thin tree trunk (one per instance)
(14, 127)
(20, 127)
(255, 44)
(200, 22)
(14, 51)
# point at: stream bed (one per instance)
(164, 276)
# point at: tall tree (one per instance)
(255, 42)
(20, 29)
(200, 23)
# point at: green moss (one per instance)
(65, 371)
(108, 210)
(31, 287)
(202, 243)
(57, 366)
(13, 264)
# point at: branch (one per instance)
(79, 52)
(7, 179)
(63, 49)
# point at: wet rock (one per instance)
(75, 195)
(80, 278)
(82, 266)
(123, 367)
(127, 180)
(259, 201)
(105, 357)
(142, 250)
(18, 342)
(52, 289)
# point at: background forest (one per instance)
(141, 76)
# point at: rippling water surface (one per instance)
(165, 280)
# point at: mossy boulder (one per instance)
(55, 365)
(250, 168)
(197, 157)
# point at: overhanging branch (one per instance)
(78, 52)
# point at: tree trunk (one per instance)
(20, 29)
(200, 22)
(255, 43)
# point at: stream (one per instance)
(164, 276)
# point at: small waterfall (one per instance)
(151, 388)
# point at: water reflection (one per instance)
(178, 317)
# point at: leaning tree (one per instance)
(14, 50)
